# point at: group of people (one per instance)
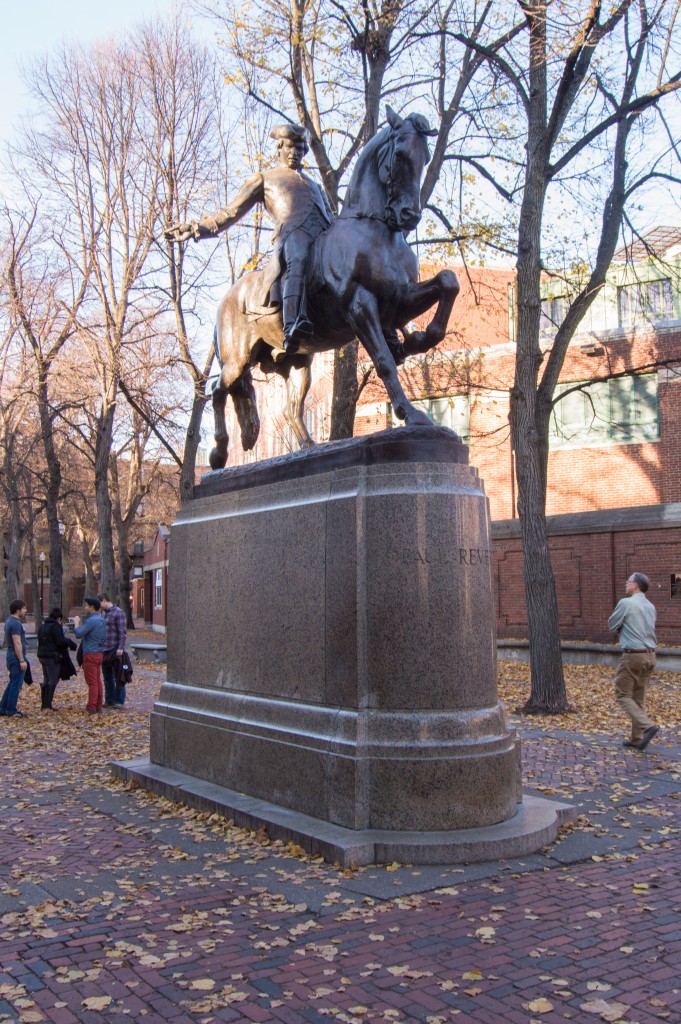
(102, 632)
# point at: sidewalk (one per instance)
(117, 905)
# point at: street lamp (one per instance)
(41, 559)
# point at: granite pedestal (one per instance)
(331, 648)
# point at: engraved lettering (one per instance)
(429, 556)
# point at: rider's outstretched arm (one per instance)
(250, 193)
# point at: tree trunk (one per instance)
(13, 581)
(530, 408)
(52, 494)
(125, 566)
(37, 594)
(191, 446)
(107, 572)
(90, 578)
(344, 399)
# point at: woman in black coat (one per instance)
(52, 646)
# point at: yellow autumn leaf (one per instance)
(540, 1005)
(606, 1011)
(96, 1002)
(472, 976)
(204, 984)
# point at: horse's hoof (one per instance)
(417, 418)
(217, 459)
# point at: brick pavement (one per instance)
(115, 904)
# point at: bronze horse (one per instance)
(362, 281)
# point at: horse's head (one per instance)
(385, 184)
(401, 159)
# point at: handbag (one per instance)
(28, 675)
(79, 654)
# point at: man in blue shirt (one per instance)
(93, 634)
(15, 642)
(634, 620)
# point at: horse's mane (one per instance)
(360, 200)
(366, 192)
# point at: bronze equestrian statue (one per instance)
(330, 280)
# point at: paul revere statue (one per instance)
(301, 213)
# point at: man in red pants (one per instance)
(93, 634)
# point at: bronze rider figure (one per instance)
(301, 213)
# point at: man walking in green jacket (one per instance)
(634, 620)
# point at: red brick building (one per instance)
(152, 597)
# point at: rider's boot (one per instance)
(297, 327)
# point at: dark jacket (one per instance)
(51, 641)
(122, 668)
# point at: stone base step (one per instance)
(534, 826)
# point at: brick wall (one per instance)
(592, 556)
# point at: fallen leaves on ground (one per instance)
(591, 695)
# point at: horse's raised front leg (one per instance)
(298, 378)
(443, 289)
(364, 320)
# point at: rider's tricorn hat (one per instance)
(295, 132)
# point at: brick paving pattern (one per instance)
(117, 905)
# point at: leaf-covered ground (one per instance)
(590, 693)
(115, 904)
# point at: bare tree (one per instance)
(44, 300)
(21, 463)
(183, 100)
(590, 85)
(135, 466)
(87, 156)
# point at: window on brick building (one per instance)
(648, 300)
(452, 411)
(159, 588)
(553, 313)
(613, 411)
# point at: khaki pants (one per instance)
(631, 681)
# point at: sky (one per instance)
(33, 27)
